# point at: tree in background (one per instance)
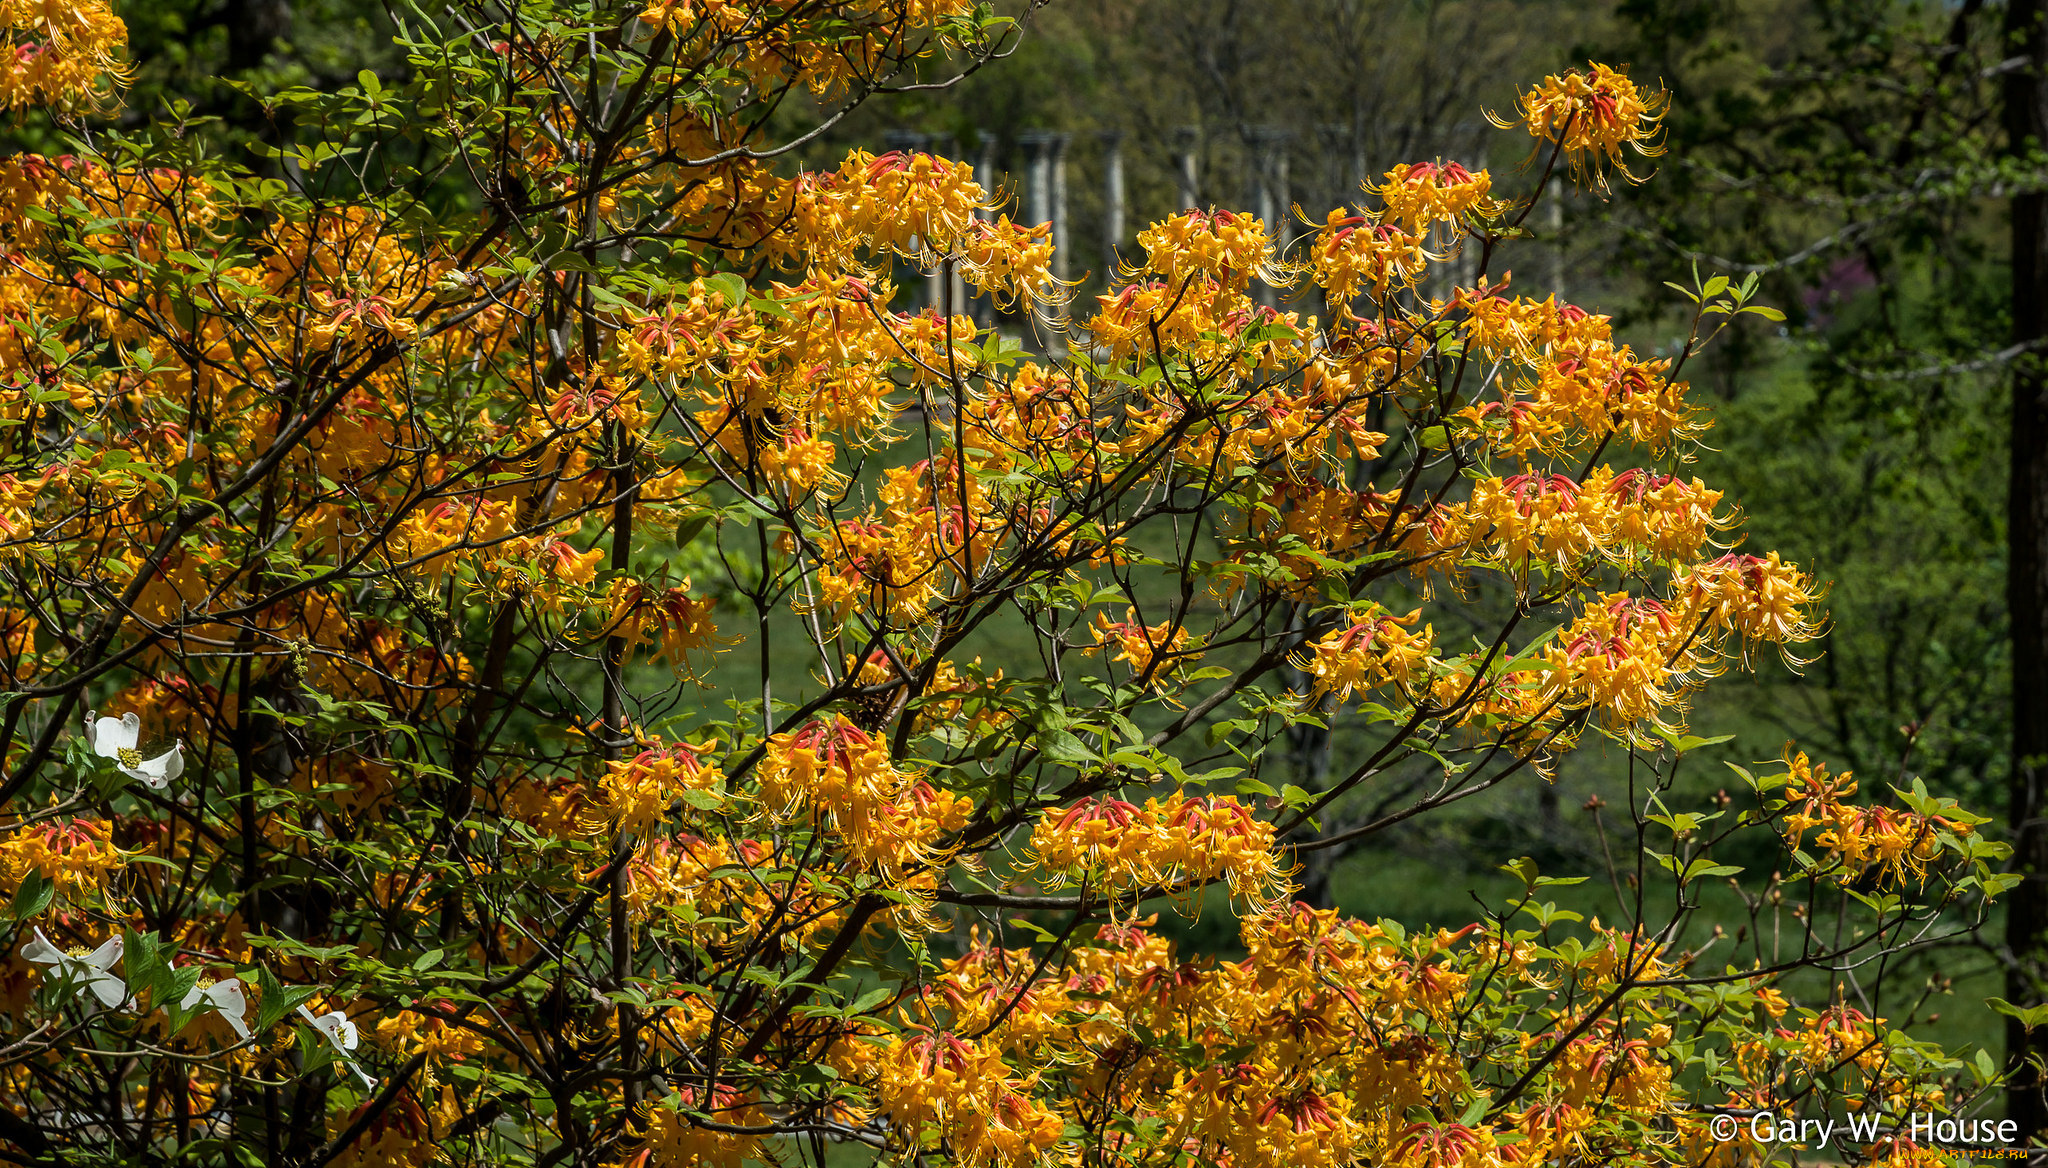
(361, 808)
(1887, 159)
(2026, 125)
(1849, 156)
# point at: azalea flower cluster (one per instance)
(1338, 1037)
(67, 54)
(1145, 648)
(1592, 114)
(1179, 842)
(404, 549)
(637, 792)
(1375, 648)
(939, 1086)
(882, 815)
(74, 857)
(1895, 844)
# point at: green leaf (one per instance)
(142, 960)
(33, 896)
(1062, 746)
(691, 527)
(870, 1000)
(730, 286)
(279, 999)
(2031, 1017)
(178, 983)
(1682, 290)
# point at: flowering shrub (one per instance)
(360, 804)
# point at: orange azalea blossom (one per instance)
(1228, 248)
(1897, 843)
(77, 856)
(1166, 843)
(1374, 649)
(1592, 114)
(885, 816)
(1422, 194)
(1148, 649)
(636, 793)
(61, 54)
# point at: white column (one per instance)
(1112, 195)
(1468, 257)
(985, 166)
(1269, 186)
(984, 176)
(1187, 168)
(1044, 202)
(1553, 222)
(1062, 242)
(1332, 139)
(1037, 146)
(948, 290)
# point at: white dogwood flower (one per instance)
(118, 739)
(340, 1032)
(225, 998)
(89, 969)
(341, 1035)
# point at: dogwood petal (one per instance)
(153, 782)
(169, 764)
(111, 736)
(158, 772)
(110, 990)
(89, 971)
(343, 1033)
(104, 957)
(41, 951)
(227, 998)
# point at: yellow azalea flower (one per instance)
(1592, 114)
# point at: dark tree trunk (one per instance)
(2026, 123)
(254, 27)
